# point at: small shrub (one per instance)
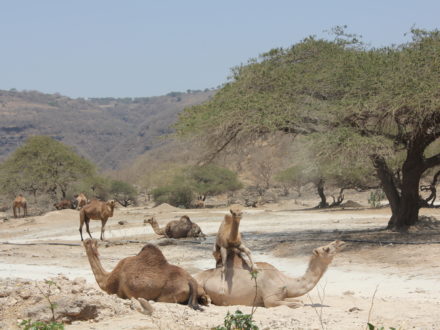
(373, 327)
(375, 198)
(238, 321)
(39, 325)
(175, 195)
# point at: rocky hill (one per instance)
(109, 131)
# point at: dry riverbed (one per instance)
(375, 278)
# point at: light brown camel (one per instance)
(95, 210)
(229, 238)
(183, 227)
(146, 276)
(19, 203)
(81, 200)
(64, 204)
(272, 288)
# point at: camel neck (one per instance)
(100, 273)
(301, 285)
(233, 234)
(156, 228)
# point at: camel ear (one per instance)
(316, 252)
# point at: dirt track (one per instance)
(406, 276)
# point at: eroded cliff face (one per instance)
(108, 131)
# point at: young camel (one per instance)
(272, 288)
(183, 227)
(229, 238)
(95, 210)
(18, 203)
(146, 276)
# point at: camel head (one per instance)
(111, 204)
(91, 244)
(202, 296)
(150, 220)
(327, 252)
(236, 211)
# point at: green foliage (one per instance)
(212, 180)
(123, 192)
(238, 321)
(364, 105)
(40, 325)
(375, 197)
(176, 195)
(43, 164)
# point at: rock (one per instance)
(122, 222)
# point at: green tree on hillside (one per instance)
(43, 164)
(385, 97)
(123, 192)
(212, 180)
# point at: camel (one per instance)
(183, 227)
(146, 276)
(95, 210)
(271, 287)
(81, 200)
(18, 203)
(229, 238)
(64, 204)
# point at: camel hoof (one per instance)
(196, 307)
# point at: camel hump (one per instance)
(153, 254)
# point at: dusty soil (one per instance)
(387, 278)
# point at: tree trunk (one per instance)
(404, 206)
(320, 187)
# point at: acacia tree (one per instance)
(43, 164)
(388, 97)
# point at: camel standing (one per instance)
(95, 210)
(229, 238)
(148, 276)
(183, 227)
(18, 203)
(273, 288)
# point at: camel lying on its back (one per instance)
(273, 287)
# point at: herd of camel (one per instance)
(235, 279)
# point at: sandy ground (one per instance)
(403, 278)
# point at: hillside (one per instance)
(109, 131)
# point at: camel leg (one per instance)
(274, 303)
(145, 306)
(15, 211)
(87, 227)
(25, 211)
(224, 254)
(103, 222)
(244, 249)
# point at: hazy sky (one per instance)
(98, 48)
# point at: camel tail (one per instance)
(193, 290)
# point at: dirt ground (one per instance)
(388, 279)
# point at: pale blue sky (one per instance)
(99, 48)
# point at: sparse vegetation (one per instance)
(238, 321)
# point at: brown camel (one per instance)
(271, 287)
(19, 203)
(81, 200)
(229, 238)
(95, 210)
(63, 204)
(183, 227)
(146, 276)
